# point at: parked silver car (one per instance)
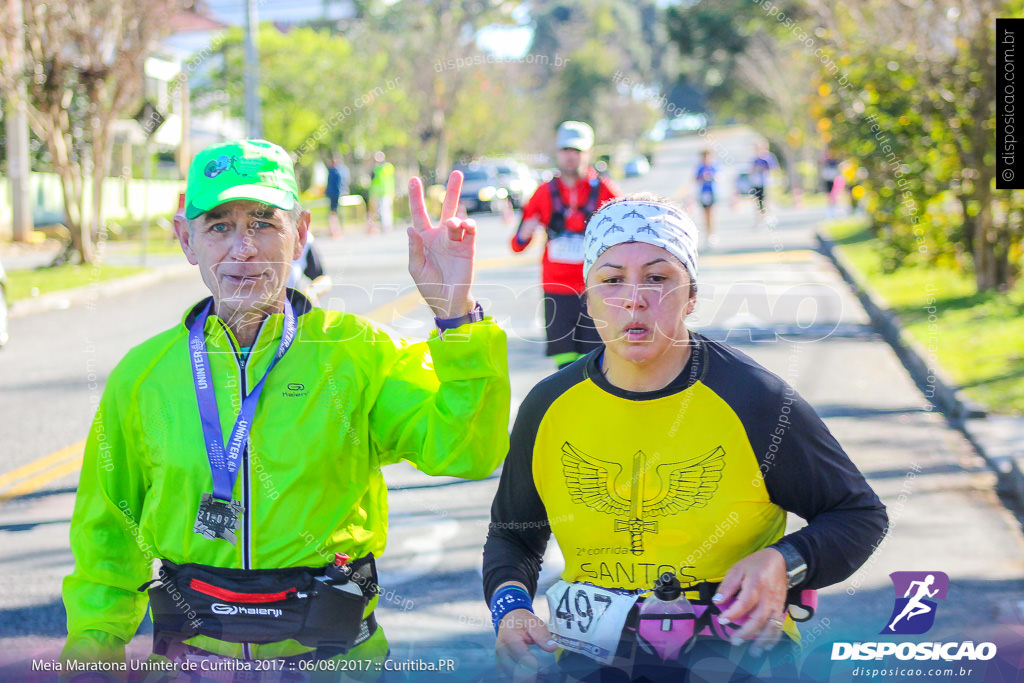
(480, 188)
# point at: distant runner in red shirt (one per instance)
(563, 206)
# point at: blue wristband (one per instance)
(507, 599)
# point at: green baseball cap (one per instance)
(243, 169)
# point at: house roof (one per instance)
(191, 20)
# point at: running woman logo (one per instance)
(914, 612)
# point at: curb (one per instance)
(995, 439)
(56, 301)
(932, 381)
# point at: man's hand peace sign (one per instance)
(441, 258)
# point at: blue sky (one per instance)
(508, 42)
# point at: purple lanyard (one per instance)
(224, 466)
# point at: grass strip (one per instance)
(975, 338)
(25, 284)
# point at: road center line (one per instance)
(42, 463)
(37, 482)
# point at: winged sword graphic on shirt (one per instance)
(679, 486)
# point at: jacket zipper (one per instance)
(242, 363)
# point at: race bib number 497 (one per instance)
(587, 619)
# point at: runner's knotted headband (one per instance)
(656, 223)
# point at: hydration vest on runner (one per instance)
(559, 211)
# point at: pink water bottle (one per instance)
(666, 619)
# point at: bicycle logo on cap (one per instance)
(236, 164)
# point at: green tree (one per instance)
(607, 47)
(584, 80)
(486, 120)
(754, 62)
(436, 57)
(318, 92)
(78, 65)
(926, 80)
(710, 36)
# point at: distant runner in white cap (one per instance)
(563, 206)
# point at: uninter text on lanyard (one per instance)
(219, 514)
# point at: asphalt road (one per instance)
(766, 291)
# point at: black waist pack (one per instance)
(262, 605)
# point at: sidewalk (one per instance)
(999, 439)
(160, 266)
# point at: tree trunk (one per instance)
(1003, 275)
(969, 224)
(95, 227)
(1003, 271)
(72, 192)
(985, 246)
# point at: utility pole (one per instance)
(185, 149)
(147, 174)
(17, 137)
(253, 116)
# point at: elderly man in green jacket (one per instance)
(233, 455)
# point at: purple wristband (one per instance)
(474, 316)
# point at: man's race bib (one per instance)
(587, 619)
(566, 248)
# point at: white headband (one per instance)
(661, 225)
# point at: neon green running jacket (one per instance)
(345, 400)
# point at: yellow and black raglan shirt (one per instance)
(690, 478)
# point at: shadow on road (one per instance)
(30, 526)
(49, 620)
(831, 410)
(46, 493)
(749, 336)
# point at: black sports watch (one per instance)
(796, 565)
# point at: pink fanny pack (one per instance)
(668, 634)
